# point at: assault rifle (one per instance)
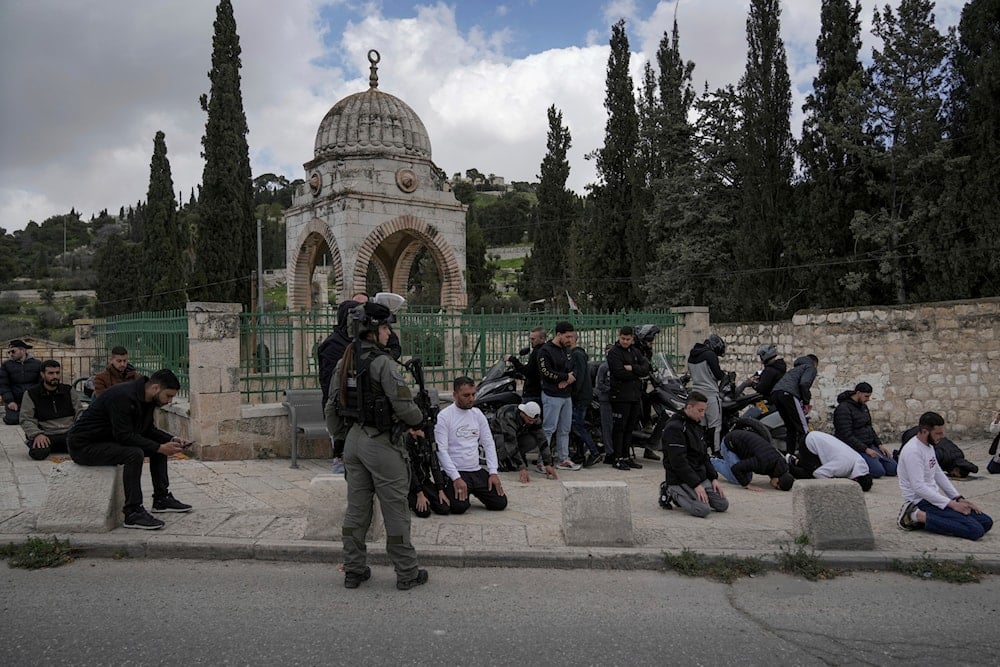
(427, 401)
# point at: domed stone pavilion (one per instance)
(373, 197)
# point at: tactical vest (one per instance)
(364, 403)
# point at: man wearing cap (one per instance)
(17, 373)
(517, 430)
(852, 423)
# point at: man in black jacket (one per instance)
(118, 429)
(532, 390)
(555, 367)
(17, 373)
(791, 395)
(852, 423)
(626, 367)
(48, 411)
(745, 453)
(691, 481)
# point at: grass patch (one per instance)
(805, 564)
(37, 553)
(726, 569)
(954, 572)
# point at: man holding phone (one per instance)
(118, 428)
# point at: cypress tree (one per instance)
(162, 286)
(545, 271)
(225, 248)
(119, 271)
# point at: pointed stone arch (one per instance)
(314, 236)
(397, 242)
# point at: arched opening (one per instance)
(315, 249)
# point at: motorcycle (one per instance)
(497, 388)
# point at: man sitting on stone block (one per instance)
(930, 500)
(517, 430)
(118, 428)
(691, 481)
(48, 410)
(826, 457)
(745, 453)
(459, 432)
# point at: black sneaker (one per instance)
(591, 460)
(170, 504)
(142, 520)
(632, 463)
(354, 579)
(622, 464)
(905, 519)
(651, 455)
(418, 580)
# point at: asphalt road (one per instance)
(173, 612)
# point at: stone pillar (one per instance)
(86, 349)
(697, 326)
(214, 346)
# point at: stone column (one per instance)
(214, 346)
(697, 323)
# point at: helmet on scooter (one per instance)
(647, 332)
(766, 352)
(716, 344)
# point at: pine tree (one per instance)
(766, 166)
(162, 286)
(614, 263)
(910, 157)
(545, 271)
(835, 183)
(225, 248)
(119, 270)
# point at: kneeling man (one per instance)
(691, 481)
(826, 457)
(745, 453)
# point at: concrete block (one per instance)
(596, 514)
(82, 499)
(832, 514)
(325, 511)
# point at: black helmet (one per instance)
(766, 352)
(647, 332)
(716, 344)
(366, 317)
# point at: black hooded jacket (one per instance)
(685, 456)
(798, 381)
(756, 455)
(773, 371)
(852, 423)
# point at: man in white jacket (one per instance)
(826, 457)
(459, 432)
(930, 500)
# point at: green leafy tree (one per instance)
(464, 192)
(163, 282)
(613, 265)
(479, 276)
(765, 164)
(505, 220)
(119, 270)
(545, 271)
(909, 157)
(225, 243)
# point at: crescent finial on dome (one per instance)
(373, 58)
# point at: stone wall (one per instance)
(942, 356)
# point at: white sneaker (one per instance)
(568, 465)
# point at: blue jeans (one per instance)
(880, 465)
(580, 427)
(724, 466)
(949, 522)
(557, 417)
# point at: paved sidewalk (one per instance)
(257, 508)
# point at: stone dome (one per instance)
(372, 122)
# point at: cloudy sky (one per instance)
(84, 86)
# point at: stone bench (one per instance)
(832, 513)
(325, 511)
(82, 499)
(597, 514)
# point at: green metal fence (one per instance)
(154, 340)
(278, 350)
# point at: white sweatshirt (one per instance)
(839, 459)
(920, 476)
(459, 433)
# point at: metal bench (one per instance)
(305, 417)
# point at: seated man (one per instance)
(118, 428)
(930, 501)
(691, 481)
(48, 410)
(460, 430)
(517, 430)
(826, 457)
(426, 493)
(745, 453)
(118, 370)
(17, 373)
(852, 423)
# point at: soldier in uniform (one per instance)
(368, 390)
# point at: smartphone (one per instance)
(187, 445)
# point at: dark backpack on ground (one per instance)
(994, 465)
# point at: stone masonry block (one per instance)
(82, 499)
(325, 512)
(832, 514)
(596, 514)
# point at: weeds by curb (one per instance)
(726, 569)
(805, 564)
(37, 553)
(926, 567)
